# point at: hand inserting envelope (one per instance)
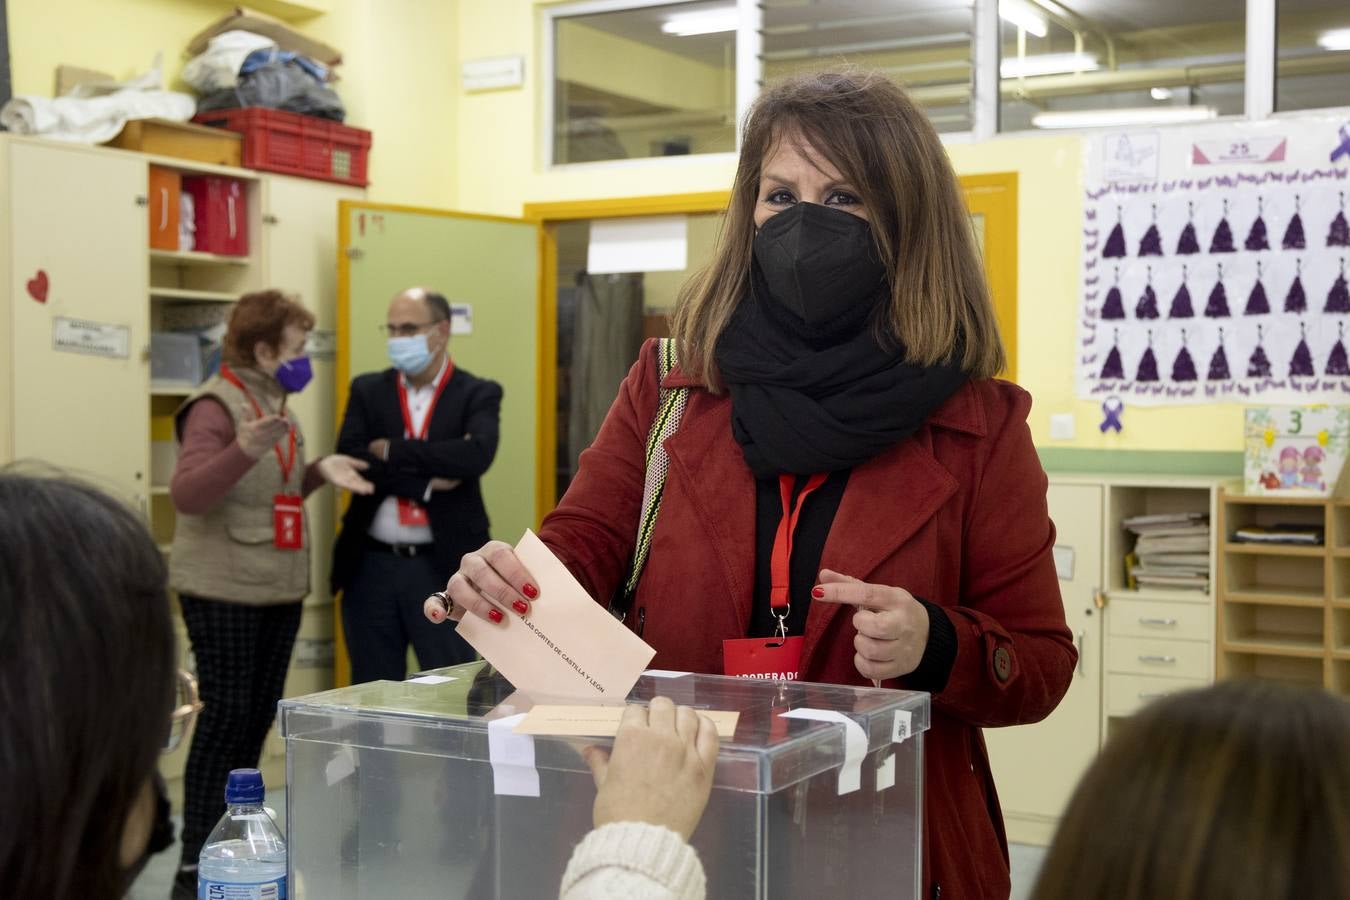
(567, 646)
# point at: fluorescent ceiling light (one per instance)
(1024, 15)
(1103, 118)
(1334, 40)
(705, 21)
(1047, 64)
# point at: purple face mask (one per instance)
(294, 374)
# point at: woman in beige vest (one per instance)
(240, 560)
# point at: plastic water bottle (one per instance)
(245, 856)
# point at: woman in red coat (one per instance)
(847, 472)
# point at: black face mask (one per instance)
(820, 263)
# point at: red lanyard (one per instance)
(782, 544)
(408, 430)
(287, 462)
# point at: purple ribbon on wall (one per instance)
(1112, 408)
(1343, 149)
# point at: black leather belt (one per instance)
(407, 551)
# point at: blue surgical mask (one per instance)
(410, 355)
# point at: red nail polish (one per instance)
(818, 593)
(495, 615)
(520, 606)
(530, 591)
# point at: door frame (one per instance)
(994, 196)
(548, 216)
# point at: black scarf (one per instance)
(820, 399)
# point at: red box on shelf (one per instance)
(220, 210)
(292, 144)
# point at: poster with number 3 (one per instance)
(1295, 450)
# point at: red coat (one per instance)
(956, 515)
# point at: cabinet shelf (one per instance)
(171, 388)
(1276, 595)
(1287, 597)
(1270, 645)
(1262, 500)
(197, 258)
(1309, 550)
(184, 294)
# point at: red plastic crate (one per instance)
(292, 144)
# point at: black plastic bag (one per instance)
(278, 85)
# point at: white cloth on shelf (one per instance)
(92, 120)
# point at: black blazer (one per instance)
(461, 442)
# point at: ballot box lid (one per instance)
(787, 731)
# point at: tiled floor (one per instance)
(157, 879)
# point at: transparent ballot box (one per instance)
(409, 790)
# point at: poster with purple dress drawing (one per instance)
(1215, 264)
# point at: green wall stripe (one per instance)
(1141, 462)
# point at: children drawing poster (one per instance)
(1215, 264)
(1295, 450)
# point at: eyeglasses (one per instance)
(188, 704)
(408, 329)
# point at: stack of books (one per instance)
(1305, 535)
(1170, 553)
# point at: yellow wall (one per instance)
(399, 77)
(1050, 209)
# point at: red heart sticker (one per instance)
(37, 286)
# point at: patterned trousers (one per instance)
(242, 653)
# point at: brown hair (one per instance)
(883, 144)
(261, 316)
(86, 683)
(1240, 790)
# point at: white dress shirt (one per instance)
(385, 526)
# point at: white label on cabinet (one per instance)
(314, 653)
(321, 344)
(91, 338)
(1064, 558)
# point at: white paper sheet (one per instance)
(638, 244)
(512, 759)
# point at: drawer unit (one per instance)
(1127, 694)
(1160, 618)
(1160, 656)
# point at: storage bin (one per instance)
(392, 792)
(183, 140)
(179, 357)
(165, 187)
(221, 212)
(294, 144)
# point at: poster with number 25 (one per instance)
(1295, 450)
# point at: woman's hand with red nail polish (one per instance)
(892, 627)
(489, 581)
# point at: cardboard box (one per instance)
(182, 140)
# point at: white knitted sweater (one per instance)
(633, 861)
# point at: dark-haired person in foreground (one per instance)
(428, 430)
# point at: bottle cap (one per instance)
(244, 786)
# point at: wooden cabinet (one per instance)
(1037, 766)
(1284, 610)
(76, 333)
(79, 261)
(1134, 645)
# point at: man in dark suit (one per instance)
(429, 431)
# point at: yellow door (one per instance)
(81, 320)
(1036, 767)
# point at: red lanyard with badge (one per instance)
(288, 510)
(410, 512)
(777, 658)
